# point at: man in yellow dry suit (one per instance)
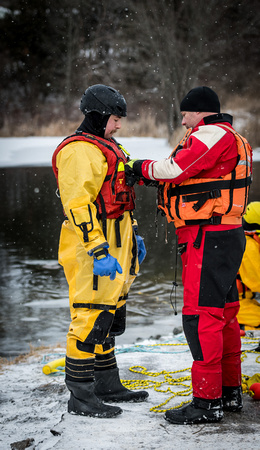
(248, 280)
(100, 252)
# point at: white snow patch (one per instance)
(38, 151)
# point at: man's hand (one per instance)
(141, 248)
(130, 177)
(133, 174)
(105, 265)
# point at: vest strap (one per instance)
(216, 220)
(210, 186)
(202, 198)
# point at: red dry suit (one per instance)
(211, 248)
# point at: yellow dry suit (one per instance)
(97, 306)
(248, 284)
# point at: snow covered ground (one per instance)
(34, 406)
(37, 151)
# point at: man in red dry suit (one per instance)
(203, 190)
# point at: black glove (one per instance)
(130, 177)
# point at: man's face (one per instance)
(113, 124)
(191, 118)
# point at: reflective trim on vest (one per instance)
(198, 199)
(115, 196)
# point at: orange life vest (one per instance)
(210, 200)
(115, 196)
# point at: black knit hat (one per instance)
(201, 99)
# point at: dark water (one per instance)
(34, 292)
(33, 289)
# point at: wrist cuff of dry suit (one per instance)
(99, 251)
(137, 166)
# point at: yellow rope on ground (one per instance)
(168, 379)
(158, 385)
(245, 378)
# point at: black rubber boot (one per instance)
(84, 402)
(108, 387)
(198, 411)
(232, 398)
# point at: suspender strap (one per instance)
(134, 255)
(95, 282)
(104, 215)
(104, 228)
(197, 242)
(215, 220)
(117, 230)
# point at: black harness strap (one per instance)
(209, 186)
(83, 226)
(95, 282)
(104, 228)
(118, 236)
(117, 231)
(214, 220)
(94, 306)
(197, 242)
(99, 306)
(103, 215)
(134, 253)
(202, 198)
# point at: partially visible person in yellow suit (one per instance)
(248, 281)
(100, 252)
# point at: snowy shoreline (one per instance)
(38, 151)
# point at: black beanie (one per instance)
(201, 99)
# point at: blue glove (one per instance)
(141, 248)
(107, 266)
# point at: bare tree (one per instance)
(176, 31)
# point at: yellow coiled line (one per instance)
(164, 386)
